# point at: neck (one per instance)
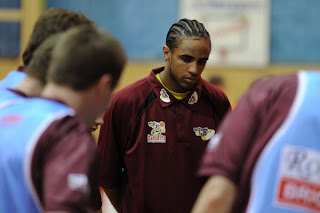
(164, 78)
(169, 82)
(74, 99)
(30, 86)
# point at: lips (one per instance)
(190, 80)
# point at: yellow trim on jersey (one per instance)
(177, 95)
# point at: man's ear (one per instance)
(105, 82)
(166, 52)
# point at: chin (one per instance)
(187, 88)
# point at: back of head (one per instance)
(188, 28)
(53, 21)
(84, 54)
(40, 61)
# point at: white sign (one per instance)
(299, 179)
(239, 29)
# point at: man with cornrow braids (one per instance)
(157, 128)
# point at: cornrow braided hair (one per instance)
(189, 28)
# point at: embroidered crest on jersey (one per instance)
(156, 135)
(299, 179)
(205, 133)
(164, 96)
(194, 98)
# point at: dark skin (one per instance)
(182, 71)
(185, 63)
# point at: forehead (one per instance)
(194, 46)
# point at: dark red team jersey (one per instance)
(245, 132)
(154, 142)
(63, 159)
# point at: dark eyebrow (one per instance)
(188, 56)
(206, 58)
(191, 57)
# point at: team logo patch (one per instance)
(299, 179)
(156, 135)
(205, 133)
(194, 98)
(164, 96)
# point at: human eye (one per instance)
(202, 62)
(186, 58)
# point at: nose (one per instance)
(193, 69)
(99, 119)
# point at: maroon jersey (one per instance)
(156, 141)
(245, 132)
(63, 166)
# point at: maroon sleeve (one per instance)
(219, 98)
(112, 138)
(66, 157)
(227, 150)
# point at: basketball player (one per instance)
(156, 129)
(48, 161)
(265, 156)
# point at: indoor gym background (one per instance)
(141, 26)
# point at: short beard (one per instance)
(175, 79)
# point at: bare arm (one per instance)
(115, 196)
(217, 195)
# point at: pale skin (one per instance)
(217, 195)
(88, 104)
(115, 196)
(93, 98)
(98, 122)
(30, 86)
(107, 206)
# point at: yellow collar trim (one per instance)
(177, 95)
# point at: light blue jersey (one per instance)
(22, 122)
(7, 95)
(286, 177)
(12, 79)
